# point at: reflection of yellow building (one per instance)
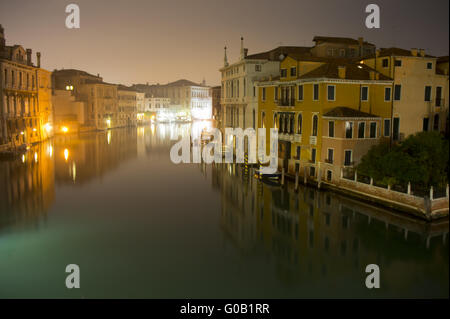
(320, 239)
(309, 88)
(27, 186)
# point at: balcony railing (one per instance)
(329, 161)
(286, 102)
(298, 138)
(313, 140)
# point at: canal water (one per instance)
(139, 226)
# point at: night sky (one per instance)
(156, 41)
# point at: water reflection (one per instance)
(323, 240)
(281, 243)
(26, 187)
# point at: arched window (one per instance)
(291, 124)
(315, 124)
(280, 126)
(286, 123)
(275, 120)
(299, 124)
(436, 123)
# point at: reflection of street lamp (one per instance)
(66, 154)
(64, 129)
(108, 123)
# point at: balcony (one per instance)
(313, 140)
(298, 138)
(286, 102)
(286, 137)
(329, 161)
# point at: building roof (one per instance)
(183, 82)
(74, 72)
(383, 52)
(346, 112)
(339, 40)
(89, 81)
(121, 87)
(443, 59)
(353, 71)
(274, 54)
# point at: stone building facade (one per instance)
(25, 103)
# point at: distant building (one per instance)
(128, 107)
(153, 104)
(194, 98)
(25, 103)
(100, 98)
(69, 114)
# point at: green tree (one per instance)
(421, 159)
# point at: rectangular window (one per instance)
(426, 123)
(331, 129)
(361, 129)
(387, 94)
(385, 63)
(427, 93)
(348, 158)
(263, 94)
(398, 63)
(275, 94)
(283, 73)
(430, 65)
(330, 155)
(300, 92)
(438, 96)
(254, 91)
(364, 93)
(329, 176)
(258, 68)
(387, 127)
(348, 129)
(373, 129)
(299, 149)
(396, 129)
(397, 92)
(293, 71)
(316, 92)
(313, 155)
(331, 92)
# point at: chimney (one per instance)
(414, 52)
(377, 76)
(242, 48)
(372, 75)
(28, 56)
(38, 59)
(341, 72)
(2, 37)
(270, 77)
(225, 59)
(361, 41)
(422, 52)
(377, 52)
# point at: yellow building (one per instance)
(306, 90)
(420, 100)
